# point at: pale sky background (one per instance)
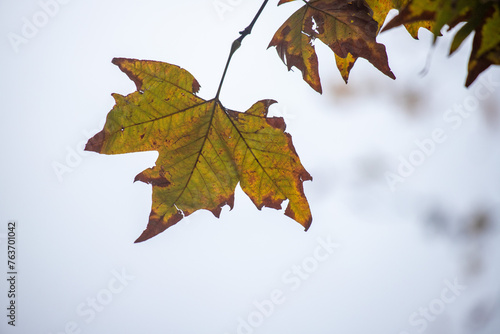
(396, 252)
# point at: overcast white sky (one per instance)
(421, 257)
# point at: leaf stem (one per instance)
(237, 43)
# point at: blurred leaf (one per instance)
(483, 17)
(486, 44)
(382, 8)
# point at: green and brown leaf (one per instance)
(481, 17)
(347, 27)
(381, 9)
(486, 44)
(204, 148)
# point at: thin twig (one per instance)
(237, 43)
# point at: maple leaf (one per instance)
(486, 43)
(381, 8)
(439, 12)
(204, 148)
(483, 17)
(347, 27)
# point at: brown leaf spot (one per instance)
(160, 181)
(271, 203)
(277, 123)
(216, 212)
(196, 86)
(95, 143)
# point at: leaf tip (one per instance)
(316, 87)
(157, 225)
(95, 143)
(306, 223)
(196, 86)
(230, 202)
(124, 64)
(260, 108)
(216, 211)
(117, 60)
(155, 179)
